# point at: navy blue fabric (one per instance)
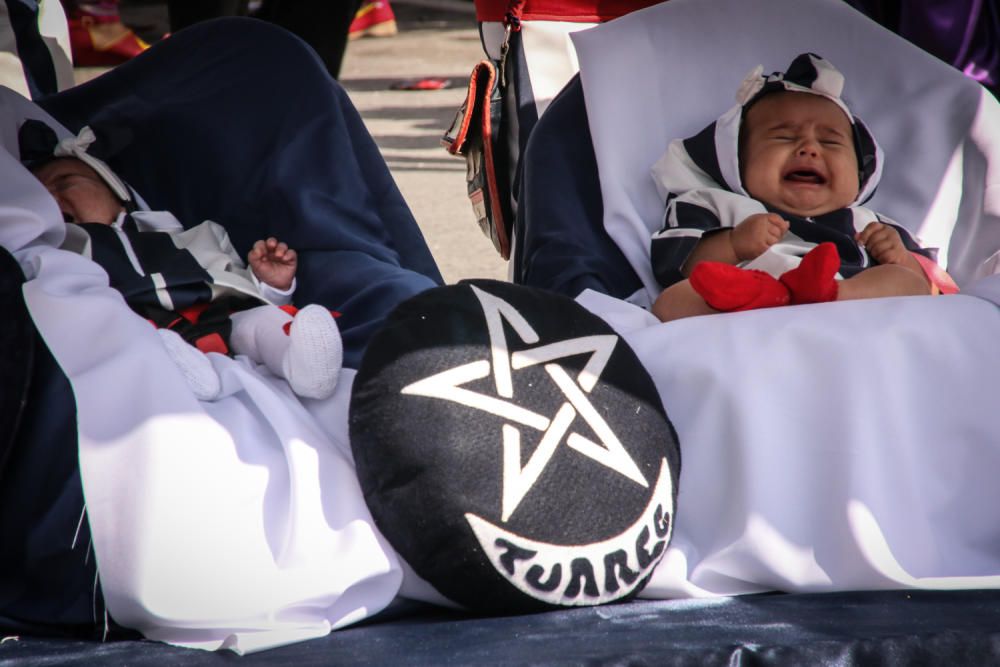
(960, 628)
(561, 242)
(47, 569)
(237, 121)
(17, 336)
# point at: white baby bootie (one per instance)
(196, 368)
(315, 353)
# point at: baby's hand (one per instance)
(752, 237)
(883, 243)
(273, 262)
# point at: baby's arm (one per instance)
(273, 262)
(748, 240)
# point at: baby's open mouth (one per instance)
(805, 176)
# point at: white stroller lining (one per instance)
(836, 446)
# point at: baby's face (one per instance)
(81, 194)
(798, 154)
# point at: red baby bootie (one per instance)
(812, 281)
(729, 288)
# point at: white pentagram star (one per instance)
(517, 479)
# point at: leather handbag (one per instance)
(479, 133)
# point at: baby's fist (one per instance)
(273, 262)
(752, 237)
(883, 243)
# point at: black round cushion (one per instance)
(513, 450)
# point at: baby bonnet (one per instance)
(807, 73)
(38, 143)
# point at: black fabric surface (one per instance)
(856, 628)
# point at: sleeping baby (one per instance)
(763, 206)
(190, 283)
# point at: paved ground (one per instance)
(436, 38)
(407, 125)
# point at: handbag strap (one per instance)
(511, 23)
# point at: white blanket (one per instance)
(237, 523)
(829, 447)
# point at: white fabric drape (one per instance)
(829, 447)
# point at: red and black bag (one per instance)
(480, 133)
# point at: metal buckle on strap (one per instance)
(511, 23)
(504, 48)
